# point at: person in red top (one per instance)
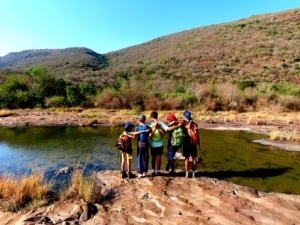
(191, 143)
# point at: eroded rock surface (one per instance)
(168, 200)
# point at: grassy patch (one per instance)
(82, 188)
(19, 192)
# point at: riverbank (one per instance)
(284, 124)
(163, 199)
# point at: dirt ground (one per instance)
(165, 199)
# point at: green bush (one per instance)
(55, 101)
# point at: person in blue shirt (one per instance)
(142, 146)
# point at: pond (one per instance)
(227, 155)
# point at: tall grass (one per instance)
(81, 187)
(285, 136)
(20, 192)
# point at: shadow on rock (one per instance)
(252, 173)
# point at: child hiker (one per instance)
(142, 146)
(126, 150)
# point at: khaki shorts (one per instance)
(126, 155)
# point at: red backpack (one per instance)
(123, 143)
(193, 132)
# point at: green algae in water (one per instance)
(230, 155)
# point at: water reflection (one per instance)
(229, 155)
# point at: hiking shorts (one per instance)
(189, 149)
(126, 155)
(157, 151)
(171, 152)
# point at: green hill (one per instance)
(197, 66)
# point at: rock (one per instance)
(66, 169)
(167, 200)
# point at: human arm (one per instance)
(139, 132)
(174, 127)
(129, 134)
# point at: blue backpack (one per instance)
(143, 136)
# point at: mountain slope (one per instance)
(259, 48)
(52, 58)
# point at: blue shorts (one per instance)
(171, 152)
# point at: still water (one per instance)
(228, 155)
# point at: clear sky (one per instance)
(109, 25)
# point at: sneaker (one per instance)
(186, 174)
(144, 174)
(153, 173)
(124, 174)
(158, 173)
(193, 174)
(167, 167)
(130, 175)
(140, 175)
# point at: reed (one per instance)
(292, 136)
(19, 192)
(82, 187)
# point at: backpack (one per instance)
(142, 136)
(123, 143)
(156, 136)
(177, 137)
(193, 132)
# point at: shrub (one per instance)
(244, 84)
(55, 101)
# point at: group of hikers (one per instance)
(182, 133)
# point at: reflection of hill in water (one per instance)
(229, 155)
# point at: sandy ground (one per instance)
(164, 199)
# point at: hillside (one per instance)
(252, 64)
(56, 60)
(260, 48)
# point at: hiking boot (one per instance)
(130, 175)
(186, 174)
(124, 174)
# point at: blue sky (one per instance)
(109, 25)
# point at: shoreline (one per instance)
(249, 122)
(162, 199)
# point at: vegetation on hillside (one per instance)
(248, 65)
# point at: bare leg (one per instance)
(153, 161)
(158, 157)
(186, 164)
(129, 165)
(194, 163)
(123, 161)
